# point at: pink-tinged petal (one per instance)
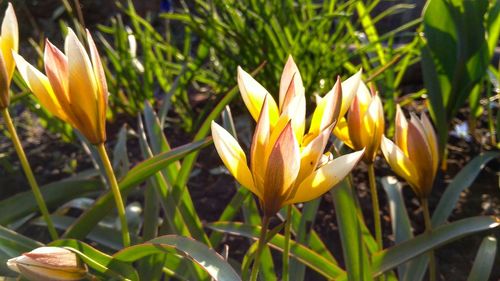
(9, 39)
(253, 95)
(400, 164)
(420, 154)
(282, 169)
(431, 140)
(102, 87)
(355, 124)
(290, 80)
(258, 158)
(4, 84)
(325, 177)
(276, 132)
(295, 108)
(327, 110)
(312, 152)
(40, 86)
(373, 128)
(56, 67)
(233, 157)
(349, 90)
(401, 133)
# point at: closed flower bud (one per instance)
(414, 153)
(364, 125)
(49, 263)
(74, 88)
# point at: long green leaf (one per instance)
(401, 226)
(55, 194)
(13, 244)
(207, 258)
(485, 258)
(98, 261)
(355, 252)
(462, 180)
(390, 258)
(297, 251)
(135, 176)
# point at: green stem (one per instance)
(375, 205)
(286, 247)
(29, 174)
(116, 193)
(428, 229)
(260, 247)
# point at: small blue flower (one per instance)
(462, 131)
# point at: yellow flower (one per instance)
(286, 166)
(9, 41)
(364, 125)
(414, 156)
(75, 87)
(48, 263)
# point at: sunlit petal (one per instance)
(9, 39)
(341, 131)
(312, 152)
(401, 130)
(327, 110)
(325, 177)
(233, 157)
(399, 163)
(349, 90)
(102, 88)
(40, 86)
(290, 81)
(258, 159)
(56, 67)
(253, 95)
(82, 84)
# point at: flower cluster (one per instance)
(288, 165)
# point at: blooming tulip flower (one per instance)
(414, 155)
(49, 263)
(364, 125)
(9, 41)
(286, 166)
(74, 89)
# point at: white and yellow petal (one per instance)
(9, 39)
(233, 157)
(349, 90)
(327, 110)
(325, 177)
(253, 94)
(258, 158)
(40, 86)
(399, 162)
